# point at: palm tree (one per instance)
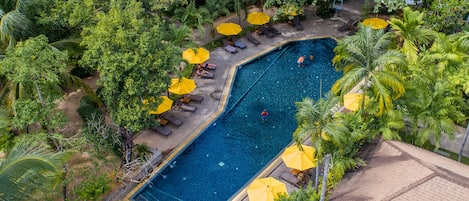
(14, 23)
(28, 172)
(335, 136)
(410, 33)
(193, 17)
(432, 108)
(366, 60)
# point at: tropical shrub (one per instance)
(88, 112)
(93, 187)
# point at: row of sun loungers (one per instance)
(168, 118)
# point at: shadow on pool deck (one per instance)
(215, 91)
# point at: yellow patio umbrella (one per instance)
(265, 189)
(294, 158)
(196, 57)
(375, 23)
(182, 86)
(353, 101)
(163, 106)
(258, 18)
(229, 28)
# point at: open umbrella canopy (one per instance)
(265, 189)
(182, 86)
(196, 57)
(229, 28)
(375, 23)
(258, 18)
(294, 158)
(164, 106)
(353, 101)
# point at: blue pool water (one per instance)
(238, 144)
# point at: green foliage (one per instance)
(87, 100)
(142, 151)
(366, 55)
(30, 172)
(412, 36)
(133, 62)
(81, 72)
(93, 187)
(447, 16)
(286, 8)
(6, 138)
(88, 112)
(15, 23)
(29, 112)
(325, 10)
(301, 194)
(217, 8)
(101, 136)
(193, 17)
(180, 35)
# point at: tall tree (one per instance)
(412, 36)
(35, 67)
(134, 63)
(366, 57)
(29, 172)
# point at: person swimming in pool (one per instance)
(264, 115)
(301, 60)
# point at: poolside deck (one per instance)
(215, 91)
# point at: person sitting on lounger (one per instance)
(203, 73)
(209, 66)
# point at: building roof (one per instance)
(399, 171)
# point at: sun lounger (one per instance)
(238, 43)
(162, 130)
(229, 48)
(251, 39)
(272, 29)
(349, 26)
(290, 178)
(190, 97)
(266, 32)
(187, 108)
(171, 119)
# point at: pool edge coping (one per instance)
(220, 110)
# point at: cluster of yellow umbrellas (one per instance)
(178, 86)
(353, 101)
(375, 23)
(269, 188)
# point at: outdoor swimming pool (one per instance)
(238, 144)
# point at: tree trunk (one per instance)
(324, 177)
(128, 143)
